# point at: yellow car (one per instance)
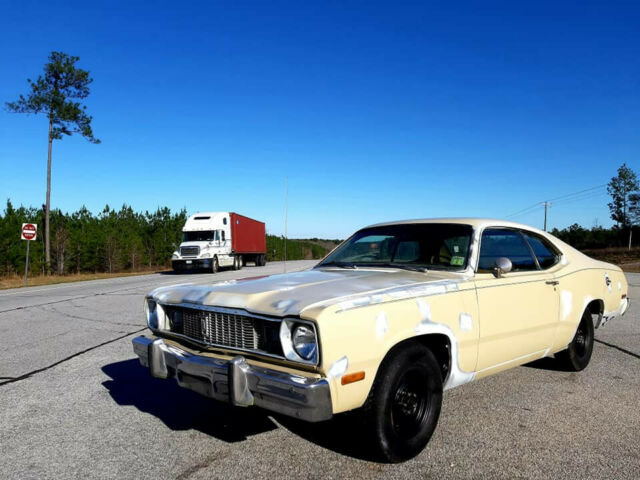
(396, 314)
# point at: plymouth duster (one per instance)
(391, 318)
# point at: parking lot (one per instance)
(75, 403)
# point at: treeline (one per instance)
(112, 241)
(596, 237)
(298, 249)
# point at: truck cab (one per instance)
(211, 240)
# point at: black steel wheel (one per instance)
(403, 407)
(578, 354)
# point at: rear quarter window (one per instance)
(545, 252)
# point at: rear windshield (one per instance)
(439, 246)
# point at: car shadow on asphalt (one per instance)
(181, 409)
(343, 434)
(548, 363)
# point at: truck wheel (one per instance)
(240, 262)
(404, 403)
(214, 265)
(578, 354)
(235, 263)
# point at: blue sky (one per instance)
(374, 111)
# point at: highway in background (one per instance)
(75, 403)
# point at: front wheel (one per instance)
(578, 354)
(214, 265)
(403, 407)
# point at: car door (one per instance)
(518, 310)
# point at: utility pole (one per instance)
(286, 214)
(546, 206)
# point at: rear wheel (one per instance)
(403, 406)
(235, 263)
(240, 262)
(578, 354)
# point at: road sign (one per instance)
(29, 231)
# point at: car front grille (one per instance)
(221, 328)
(189, 251)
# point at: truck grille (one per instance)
(189, 251)
(226, 329)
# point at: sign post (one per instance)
(28, 233)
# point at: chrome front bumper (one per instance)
(236, 381)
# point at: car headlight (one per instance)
(299, 341)
(304, 341)
(175, 256)
(205, 255)
(151, 312)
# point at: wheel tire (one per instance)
(214, 265)
(263, 260)
(578, 354)
(235, 263)
(404, 403)
(240, 262)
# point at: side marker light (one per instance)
(352, 377)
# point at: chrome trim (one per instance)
(231, 311)
(236, 381)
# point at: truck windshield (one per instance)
(438, 246)
(200, 236)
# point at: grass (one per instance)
(16, 281)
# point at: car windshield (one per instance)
(414, 246)
(200, 236)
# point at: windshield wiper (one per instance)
(403, 266)
(338, 264)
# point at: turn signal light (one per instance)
(352, 377)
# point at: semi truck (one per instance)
(211, 240)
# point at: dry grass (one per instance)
(628, 260)
(15, 281)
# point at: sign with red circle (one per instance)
(29, 231)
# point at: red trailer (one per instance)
(248, 238)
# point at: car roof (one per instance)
(477, 223)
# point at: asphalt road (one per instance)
(75, 403)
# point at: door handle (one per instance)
(552, 282)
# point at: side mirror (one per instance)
(503, 265)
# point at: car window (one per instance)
(546, 254)
(498, 243)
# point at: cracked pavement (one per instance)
(75, 403)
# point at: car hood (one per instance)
(293, 293)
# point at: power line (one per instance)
(577, 193)
(525, 210)
(565, 198)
